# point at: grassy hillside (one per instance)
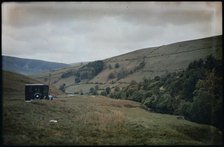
(14, 84)
(57, 78)
(89, 120)
(148, 63)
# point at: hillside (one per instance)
(143, 63)
(29, 66)
(86, 120)
(14, 84)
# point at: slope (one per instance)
(14, 84)
(84, 120)
(148, 63)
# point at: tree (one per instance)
(109, 66)
(151, 102)
(137, 96)
(104, 93)
(165, 104)
(77, 80)
(108, 90)
(202, 107)
(96, 87)
(122, 73)
(62, 87)
(92, 91)
(117, 89)
(157, 78)
(111, 76)
(185, 109)
(117, 65)
(133, 82)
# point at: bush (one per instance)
(122, 73)
(62, 87)
(117, 65)
(140, 66)
(117, 89)
(111, 76)
(151, 102)
(77, 80)
(92, 91)
(202, 107)
(108, 90)
(157, 78)
(185, 109)
(104, 93)
(164, 104)
(67, 74)
(109, 66)
(137, 96)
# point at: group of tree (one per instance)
(195, 93)
(67, 74)
(88, 71)
(94, 91)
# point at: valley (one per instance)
(93, 120)
(116, 101)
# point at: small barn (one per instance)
(36, 91)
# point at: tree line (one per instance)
(195, 93)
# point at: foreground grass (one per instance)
(96, 120)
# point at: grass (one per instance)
(87, 120)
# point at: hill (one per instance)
(143, 63)
(29, 66)
(14, 84)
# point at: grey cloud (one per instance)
(83, 31)
(139, 12)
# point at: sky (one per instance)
(70, 32)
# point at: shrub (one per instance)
(67, 74)
(122, 73)
(202, 107)
(77, 80)
(111, 76)
(140, 66)
(117, 65)
(137, 96)
(185, 109)
(117, 89)
(151, 102)
(157, 78)
(109, 66)
(104, 93)
(164, 104)
(92, 91)
(62, 87)
(108, 90)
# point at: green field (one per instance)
(90, 120)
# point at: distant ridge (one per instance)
(29, 66)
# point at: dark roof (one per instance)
(35, 84)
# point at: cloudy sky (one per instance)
(86, 31)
